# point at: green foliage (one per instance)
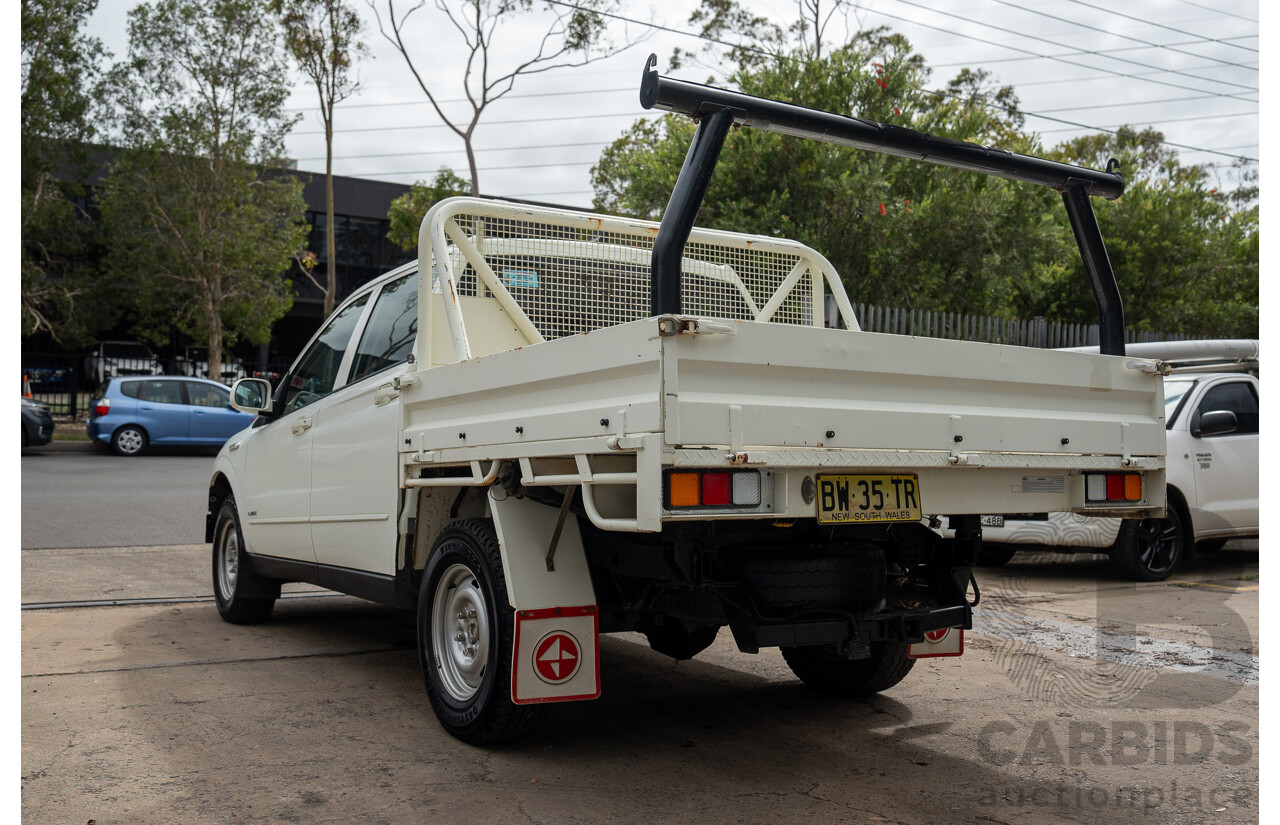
(1185, 255)
(910, 234)
(202, 229)
(59, 65)
(408, 210)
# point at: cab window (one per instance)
(317, 370)
(392, 327)
(1239, 398)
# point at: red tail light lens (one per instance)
(715, 489)
(102, 407)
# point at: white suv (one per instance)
(1212, 432)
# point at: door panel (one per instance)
(275, 502)
(355, 480)
(1226, 466)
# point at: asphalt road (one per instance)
(92, 498)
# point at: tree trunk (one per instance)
(214, 317)
(331, 284)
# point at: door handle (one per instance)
(301, 425)
(385, 394)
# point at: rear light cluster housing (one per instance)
(714, 490)
(1113, 488)
(101, 407)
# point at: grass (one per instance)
(1248, 577)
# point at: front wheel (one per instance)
(242, 597)
(1149, 550)
(466, 635)
(822, 668)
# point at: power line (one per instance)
(1059, 59)
(345, 106)
(489, 168)
(1165, 120)
(1131, 103)
(1101, 52)
(1157, 25)
(487, 123)
(1117, 34)
(458, 151)
(1219, 11)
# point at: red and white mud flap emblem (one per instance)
(946, 642)
(557, 655)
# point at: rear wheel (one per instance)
(466, 635)
(242, 597)
(129, 440)
(822, 668)
(1149, 550)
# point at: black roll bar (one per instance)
(717, 109)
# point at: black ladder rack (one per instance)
(717, 109)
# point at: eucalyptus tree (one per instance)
(204, 221)
(59, 68)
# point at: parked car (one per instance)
(194, 361)
(1211, 415)
(115, 358)
(37, 423)
(135, 413)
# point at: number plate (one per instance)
(859, 499)
(991, 521)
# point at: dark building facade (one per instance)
(362, 251)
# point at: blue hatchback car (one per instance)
(134, 413)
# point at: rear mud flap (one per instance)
(557, 655)
(948, 642)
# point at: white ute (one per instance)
(558, 424)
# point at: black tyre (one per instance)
(1149, 550)
(242, 597)
(995, 555)
(822, 668)
(466, 636)
(129, 440)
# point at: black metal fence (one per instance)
(68, 382)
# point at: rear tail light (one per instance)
(1112, 487)
(713, 488)
(101, 407)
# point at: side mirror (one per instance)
(251, 395)
(1218, 422)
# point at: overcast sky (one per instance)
(1186, 67)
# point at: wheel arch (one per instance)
(219, 489)
(133, 424)
(1176, 499)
